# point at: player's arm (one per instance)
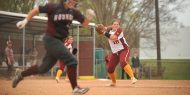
(32, 13)
(35, 11)
(85, 23)
(84, 19)
(101, 29)
(88, 17)
(114, 36)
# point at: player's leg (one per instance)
(72, 71)
(60, 70)
(66, 75)
(71, 64)
(124, 62)
(111, 68)
(48, 63)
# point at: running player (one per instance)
(60, 17)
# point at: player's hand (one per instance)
(22, 24)
(90, 14)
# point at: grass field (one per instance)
(177, 69)
(173, 69)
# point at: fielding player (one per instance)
(119, 48)
(60, 17)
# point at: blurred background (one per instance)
(162, 50)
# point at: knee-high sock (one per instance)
(59, 73)
(112, 77)
(72, 74)
(129, 71)
(30, 71)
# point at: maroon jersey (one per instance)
(60, 19)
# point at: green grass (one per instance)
(175, 69)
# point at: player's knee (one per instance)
(75, 61)
(110, 70)
(123, 64)
(69, 60)
(42, 70)
(72, 65)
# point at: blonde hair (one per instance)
(68, 37)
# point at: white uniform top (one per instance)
(69, 46)
(118, 44)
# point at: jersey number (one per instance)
(116, 42)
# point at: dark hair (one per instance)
(63, 1)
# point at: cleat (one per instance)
(134, 80)
(17, 78)
(80, 91)
(112, 85)
(57, 79)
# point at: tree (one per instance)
(137, 18)
(19, 6)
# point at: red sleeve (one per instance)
(118, 32)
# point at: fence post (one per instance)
(23, 49)
(150, 71)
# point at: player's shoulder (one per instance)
(120, 29)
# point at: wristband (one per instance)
(107, 34)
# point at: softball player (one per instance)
(120, 52)
(60, 17)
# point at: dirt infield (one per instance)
(97, 87)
